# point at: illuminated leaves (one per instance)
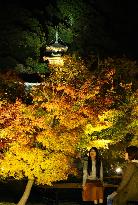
(31, 147)
(33, 163)
(70, 112)
(72, 69)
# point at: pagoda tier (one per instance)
(54, 52)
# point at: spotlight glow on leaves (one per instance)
(71, 111)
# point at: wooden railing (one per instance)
(74, 186)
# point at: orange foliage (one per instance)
(40, 139)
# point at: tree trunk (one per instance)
(26, 193)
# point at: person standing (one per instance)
(93, 177)
(128, 188)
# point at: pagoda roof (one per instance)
(56, 46)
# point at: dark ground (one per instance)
(12, 191)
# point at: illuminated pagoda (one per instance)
(55, 51)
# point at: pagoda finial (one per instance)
(56, 37)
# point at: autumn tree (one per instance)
(49, 130)
(101, 101)
(118, 87)
(31, 148)
(72, 110)
(124, 131)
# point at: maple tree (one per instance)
(72, 110)
(113, 99)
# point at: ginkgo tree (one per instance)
(32, 149)
(39, 141)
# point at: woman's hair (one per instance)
(132, 152)
(98, 162)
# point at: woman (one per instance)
(93, 177)
(128, 188)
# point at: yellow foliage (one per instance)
(35, 163)
(89, 129)
(99, 143)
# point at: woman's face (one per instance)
(92, 153)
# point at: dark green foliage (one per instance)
(21, 38)
(82, 26)
(32, 66)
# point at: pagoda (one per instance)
(55, 51)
